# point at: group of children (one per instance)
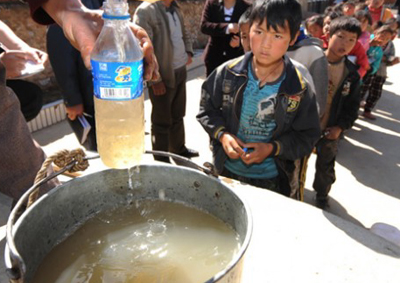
(374, 50)
(290, 93)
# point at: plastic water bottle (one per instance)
(117, 67)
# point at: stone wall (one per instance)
(16, 15)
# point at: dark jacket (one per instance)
(296, 114)
(40, 16)
(346, 102)
(213, 24)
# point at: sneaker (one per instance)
(322, 202)
(189, 153)
(369, 115)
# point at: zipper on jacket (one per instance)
(280, 94)
(238, 91)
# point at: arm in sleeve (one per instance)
(38, 14)
(375, 65)
(351, 105)
(209, 24)
(319, 73)
(210, 115)
(141, 19)
(186, 36)
(304, 133)
(64, 61)
(362, 59)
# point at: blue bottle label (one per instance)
(117, 80)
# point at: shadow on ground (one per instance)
(371, 150)
(335, 208)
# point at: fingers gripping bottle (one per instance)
(117, 67)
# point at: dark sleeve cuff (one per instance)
(37, 13)
(276, 148)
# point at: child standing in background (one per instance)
(314, 26)
(342, 103)
(365, 20)
(244, 29)
(348, 8)
(378, 12)
(382, 50)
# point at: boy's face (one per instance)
(269, 45)
(325, 28)
(383, 38)
(375, 4)
(348, 9)
(341, 43)
(245, 37)
(315, 30)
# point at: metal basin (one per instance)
(54, 216)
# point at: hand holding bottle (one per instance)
(82, 26)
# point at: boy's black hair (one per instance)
(245, 17)
(363, 14)
(384, 28)
(328, 10)
(333, 15)
(316, 19)
(338, 8)
(277, 13)
(350, 2)
(349, 24)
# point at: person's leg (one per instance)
(366, 84)
(178, 111)
(325, 169)
(374, 95)
(161, 121)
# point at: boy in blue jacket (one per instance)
(258, 110)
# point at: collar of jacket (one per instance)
(352, 68)
(293, 84)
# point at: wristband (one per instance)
(220, 134)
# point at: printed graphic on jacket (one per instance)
(257, 124)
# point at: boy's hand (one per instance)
(232, 145)
(394, 61)
(235, 41)
(259, 154)
(333, 133)
(375, 42)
